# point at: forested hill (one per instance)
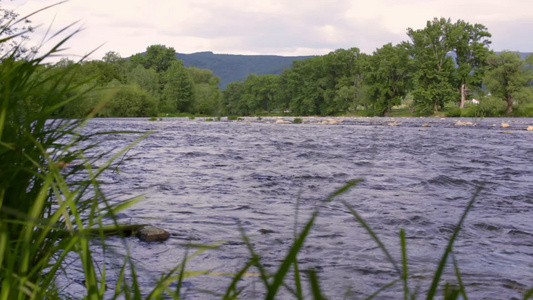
(231, 67)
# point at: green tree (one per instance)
(471, 46)
(159, 57)
(147, 79)
(206, 91)
(232, 99)
(178, 90)
(388, 77)
(132, 101)
(509, 78)
(433, 69)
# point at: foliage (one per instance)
(178, 90)
(297, 121)
(489, 106)
(132, 101)
(433, 68)
(453, 112)
(388, 77)
(509, 78)
(46, 208)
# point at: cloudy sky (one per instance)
(280, 27)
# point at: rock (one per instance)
(425, 125)
(394, 124)
(152, 234)
(529, 128)
(282, 122)
(331, 122)
(461, 123)
(505, 125)
(265, 231)
(507, 132)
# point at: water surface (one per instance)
(202, 180)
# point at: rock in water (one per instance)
(152, 234)
(505, 125)
(530, 128)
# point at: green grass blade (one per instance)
(436, 278)
(297, 280)
(361, 221)
(404, 265)
(231, 291)
(528, 295)
(388, 285)
(344, 189)
(255, 258)
(315, 286)
(289, 260)
(459, 279)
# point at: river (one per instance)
(203, 180)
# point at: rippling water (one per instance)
(202, 180)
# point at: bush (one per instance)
(488, 107)
(132, 101)
(453, 112)
(232, 118)
(297, 121)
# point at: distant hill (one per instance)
(232, 67)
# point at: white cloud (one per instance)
(290, 27)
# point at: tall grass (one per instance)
(48, 209)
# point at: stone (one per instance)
(505, 125)
(461, 123)
(282, 122)
(529, 128)
(425, 125)
(152, 234)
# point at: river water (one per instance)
(203, 180)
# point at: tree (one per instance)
(147, 79)
(179, 87)
(159, 57)
(231, 100)
(132, 101)
(206, 91)
(433, 69)
(388, 77)
(471, 46)
(509, 78)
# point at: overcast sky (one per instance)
(279, 27)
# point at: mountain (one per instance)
(232, 67)
(235, 67)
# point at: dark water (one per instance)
(202, 180)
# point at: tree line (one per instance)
(441, 65)
(146, 84)
(438, 67)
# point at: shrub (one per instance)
(453, 112)
(232, 118)
(297, 121)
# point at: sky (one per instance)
(264, 27)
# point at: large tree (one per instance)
(471, 46)
(433, 68)
(388, 77)
(179, 87)
(159, 57)
(509, 78)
